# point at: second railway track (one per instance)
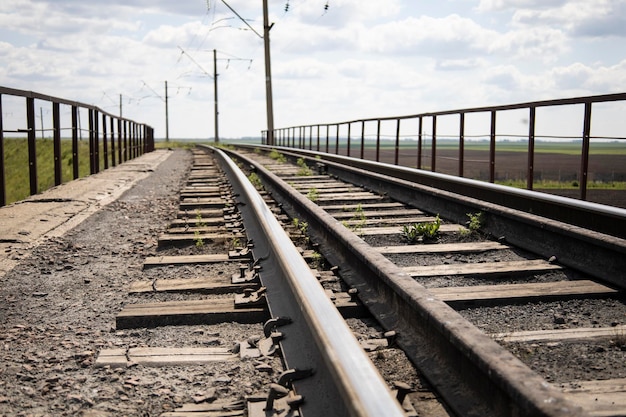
(546, 339)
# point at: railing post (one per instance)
(419, 142)
(120, 145)
(461, 143)
(56, 142)
(492, 148)
(584, 157)
(530, 172)
(317, 148)
(327, 137)
(96, 140)
(310, 137)
(124, 124)
(434, 146)
(349, 126)
(362, 138)
(151, 138)
(32, 150)
(3, 191)
(112, 121)
(133, 140)
(92, 165)
(105, 141)
(378, 141)
(397, 147)
(337, 141)
(75, 164)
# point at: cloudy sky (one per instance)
(332, 60)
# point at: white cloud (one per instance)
(359, 58)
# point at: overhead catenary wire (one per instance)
(243, 20)
(195, 62)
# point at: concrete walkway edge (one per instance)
(27, 223)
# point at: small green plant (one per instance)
(422, 232)
(304, 170)
(255, 180)
(303, 227)
(359, 219)
(474, 224)
(277, 156)
(197, 238)
(313, 194)
(475, 221)
(316, 260)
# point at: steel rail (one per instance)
(599, 217)
(475, 375)
(293, 291)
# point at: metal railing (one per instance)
(119, 139)
(340, 137)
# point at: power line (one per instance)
(195, 62)
(242, 19)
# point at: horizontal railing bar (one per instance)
(39, 96)
(544, 103)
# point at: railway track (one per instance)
(262, 279)
(367, 315)
(507, 317)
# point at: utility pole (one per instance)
(217, 137)
(268, 76)
(167, 118)
(120, 106)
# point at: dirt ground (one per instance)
(58, 308)
(513, 166)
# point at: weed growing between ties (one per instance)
(197, 238)
(304, 170)
(313, 194)
(277, 156)
(357, 222)
(474, 224)
(255, 181)
(303, 227)
(422, 232)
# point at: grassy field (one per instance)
(16, 165)
(609, 155)
(564, 148)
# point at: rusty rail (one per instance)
(322, 137)
(120, 139)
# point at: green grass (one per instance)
(16, 165)
(180, 144)
(565, 185)
(565, 147)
